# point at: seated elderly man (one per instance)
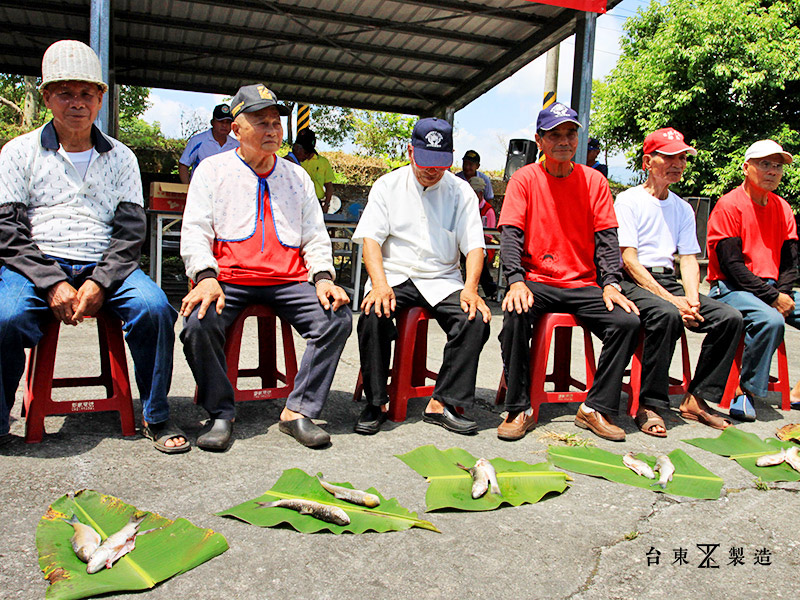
(417, 222)
(558, 237)
(253, 233)
(752, 266)
(654, 223)
(73, 223)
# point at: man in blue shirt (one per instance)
(208, 143)
(469, 169)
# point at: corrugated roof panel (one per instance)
(403, 55)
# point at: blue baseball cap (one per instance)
(554, 115)
(432, 140)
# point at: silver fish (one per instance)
(793, 457)
(665, 470)
(85, 540)
(484, 478)
(323, 512)
(349, 495)
(638, 466)
(115, 546)
(770, 460)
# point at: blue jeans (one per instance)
(763, 333)
(143, 308)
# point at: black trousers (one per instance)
(616, 328)
(662, 324)
(455, 384)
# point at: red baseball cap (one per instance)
(667, 141)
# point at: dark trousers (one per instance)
(455, 384)
(662, 324)
(325, 332)
(486, 281)
(616, 328)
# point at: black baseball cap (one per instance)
(251, 98)
(432, 140)
(594, 144)
(472, 156)
(222, 112)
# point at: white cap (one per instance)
(764, 148)
(71, 60)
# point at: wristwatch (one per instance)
(616, 286)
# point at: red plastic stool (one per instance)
(779, 384)
(38, 399)
(676, 386)
(556, 326)
(409, 366)
(267, 368)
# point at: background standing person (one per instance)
(469, 169)
(592, 157)
(488, 219)
(318, 167)
(208, 143)
(654, 224)
(72, 225)
(752, 266)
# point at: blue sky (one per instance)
(506, 112)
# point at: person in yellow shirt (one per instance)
(318, 167)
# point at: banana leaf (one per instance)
(745, 448)
(451, 486)
(295, 483)
(173, 548)
(690, 479)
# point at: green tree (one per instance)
(724, 72)
(377, 134)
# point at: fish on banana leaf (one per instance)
(665, 470)
(85, 540)
(484, 478)
(350, 495)
(115, 546)
(770, 460)
(638, 466)
(323, 512)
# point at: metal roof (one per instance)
(407, 56)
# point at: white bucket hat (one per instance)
(71, 60)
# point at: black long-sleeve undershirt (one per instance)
(732, 264)
(606, 255)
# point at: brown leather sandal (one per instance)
(647, 418)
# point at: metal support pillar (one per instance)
(582, 77)
(551, 76)
(100, 41)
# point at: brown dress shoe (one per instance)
(600, 425)
(515, 426)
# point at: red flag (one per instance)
(598, 6)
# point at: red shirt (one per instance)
(559, 216)
(763, 230)
(259, 259)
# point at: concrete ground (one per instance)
(592, 541)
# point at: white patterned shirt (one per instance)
(71, 216)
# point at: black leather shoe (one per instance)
(215, 435)
(370, 420)
(451, 420)
(306, 432)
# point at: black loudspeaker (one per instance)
(520, 153)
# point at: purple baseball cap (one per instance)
(432, 140)
(554, 115)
